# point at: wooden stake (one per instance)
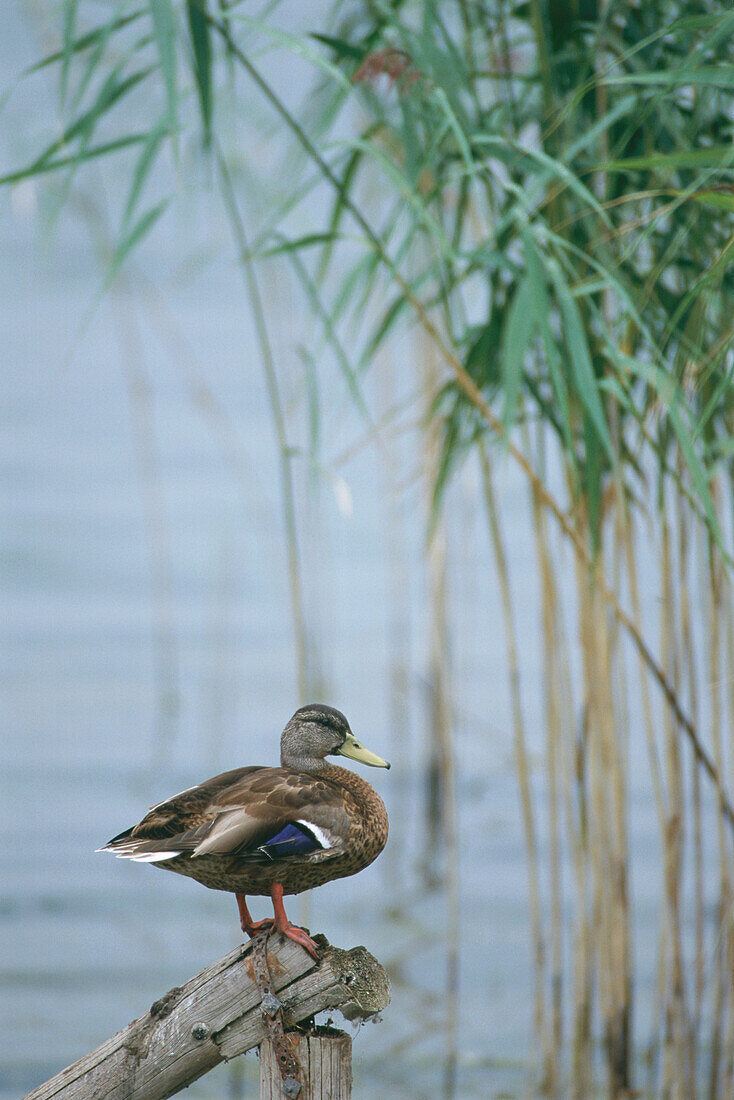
(326, 1067)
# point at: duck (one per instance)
(271, 831)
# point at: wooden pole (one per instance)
(326, 1067)
(218, 1015)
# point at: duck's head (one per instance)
(317, 731)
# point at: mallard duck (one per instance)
(273, 831)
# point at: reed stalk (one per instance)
(722, 976)
(607, 837)
(690, 672)
(676, 1070)
(398, 593)
(727, 1084)
(559, 723)
(442, 807)
(619, 1029)
(522, 762)
(585, 977)
(288, 498)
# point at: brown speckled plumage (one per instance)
(271, 830)
(338, 797)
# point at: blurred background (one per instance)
(377, 354)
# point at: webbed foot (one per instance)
(299, 935)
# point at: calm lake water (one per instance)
(146, 644)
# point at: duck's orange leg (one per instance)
(249, 925)
(282, 924)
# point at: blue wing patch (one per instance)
(293, 840)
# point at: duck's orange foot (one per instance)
(249, 926)
(259, 926)
(299, 935)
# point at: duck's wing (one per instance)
(257, 814)
(170, 827)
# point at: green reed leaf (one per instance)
(135, 234)
(164, 26)
(200, 33)
(518, 331)
(586, 384)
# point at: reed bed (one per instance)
(539, 198)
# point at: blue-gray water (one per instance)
(147, 643)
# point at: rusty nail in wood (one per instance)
(200, 1031)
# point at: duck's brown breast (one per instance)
(367, 836)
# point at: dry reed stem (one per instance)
(442, 747)
(713, 654)
(276, 408)
(656, 1051)
(575, 769)
(608, 841)
(619, 726)
(619, 945)
(398, 617)
(688, 660)
(522, 762)
(582, 1056)
(674, 1058)
(587, 781)
(663, 977)
(727, 1084)
(602, 857)
(553, 659)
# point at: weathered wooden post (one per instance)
(325, 1062)
(226, 1010)
(316, 1065)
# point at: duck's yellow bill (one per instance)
(355, 751)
